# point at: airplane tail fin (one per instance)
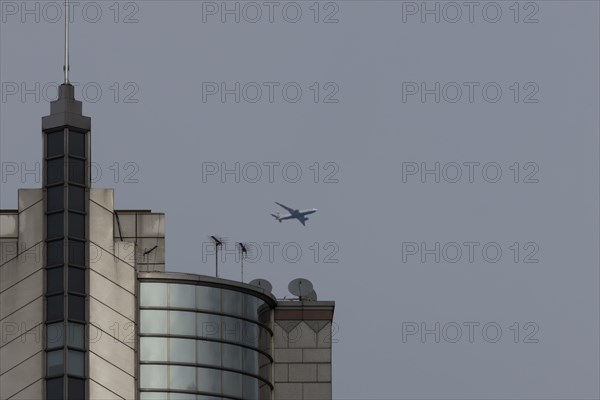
(277, 216)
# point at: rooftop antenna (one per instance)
(302, 288)
(66, 66)
(262, 283)
(218, 243)
(244, 253)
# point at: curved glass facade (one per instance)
(203, 342)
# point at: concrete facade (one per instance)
(302, 342)
(22, 298)
(112, 304)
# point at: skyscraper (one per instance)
(88, 311)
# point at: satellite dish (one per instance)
(312, 296)
(300, 287)
(262, 283)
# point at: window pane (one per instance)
(231, 329)
(55, 171)
(54, 308)
(250, 334)
(183, 396)
(209, 353)
(182, 323)
(55, 144)
(182, 296)
(55, 196)
(76, 252)
(55, 252)
(264, 312)
(76, 171)
(209, 380)
(153, 376)
(152, 321)
(76, 280)
(76, 307)
(265, 340)
(54, 389)
(55, 336)
(54, 280)
(183, 350)
(250, 358)
(232, 302)
(54, 362)
(250, 307)
(250, 388)
(76, 198)
(77, 144)
(154, 396)
(76, 389)
(182, 378)
(232, 356)
(153, 349)
(153, 294)
(76, 363)
(209, 326)
(54, 226)
(76, 335)
(232, 383)
(264, 367)
(208, 298)
(77, 225)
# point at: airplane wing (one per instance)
(290, 210)
(302, 221)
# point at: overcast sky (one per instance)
(518, 95)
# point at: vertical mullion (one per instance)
(66, 261)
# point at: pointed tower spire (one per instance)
(66, 67)
(66, 133)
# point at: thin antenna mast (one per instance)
(218, 243)
(244, 252)
(66, 66)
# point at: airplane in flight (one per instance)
(300, 215)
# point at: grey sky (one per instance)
(368, 134)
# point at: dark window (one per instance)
(55, 226)
(76, 389)
(77, 171)
(55, 171)
(76, 280)
(76, 308)
(55, 362)
(55, 253)
(55, 144)
(77, 225)
(76, 252)
(77, 144)
(76, 198)
(54, 280)
(75, 363)
(55, 198)
(76, 334)
(55, 336)
(54, 389)
(54, 308)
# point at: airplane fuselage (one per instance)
(300, 215)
